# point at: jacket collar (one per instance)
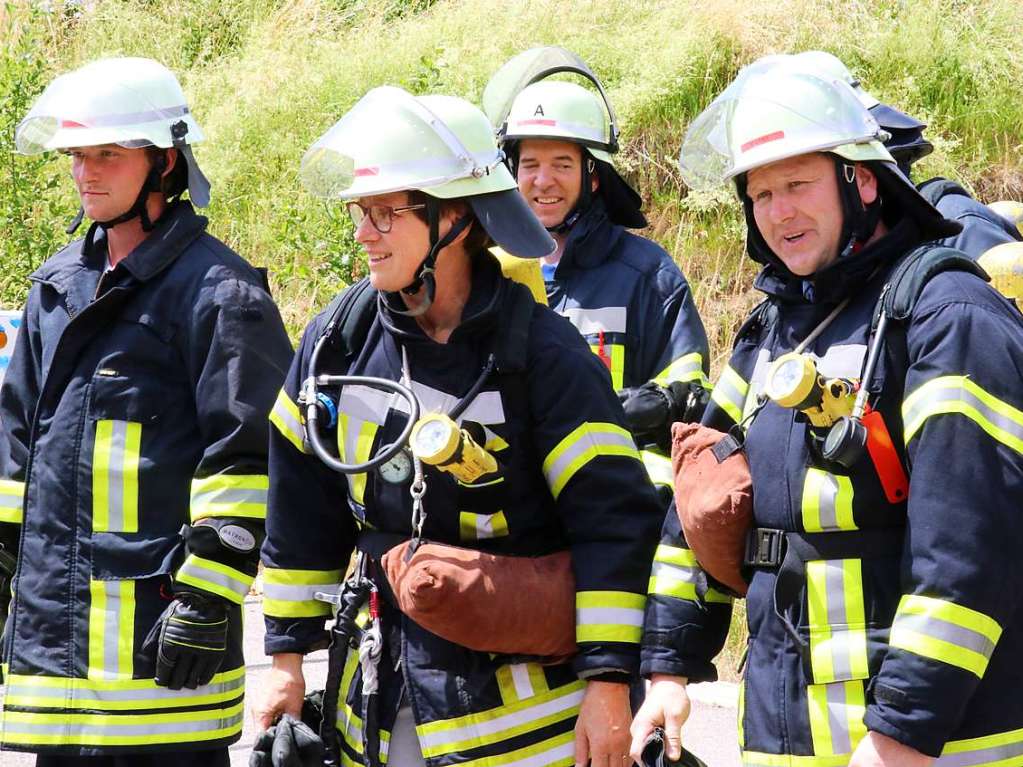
(592, 240)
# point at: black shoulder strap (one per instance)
(512, 341)
(763, 317)
(936, 188)
(351, 315)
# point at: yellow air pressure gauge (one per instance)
(792, 381)
(436, 440)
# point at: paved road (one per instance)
(709, 733)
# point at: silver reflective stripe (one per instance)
(834, 585)
(674, 572)
(115, 475)
(366, 403)
(598, 437)
(114, 617)
(842, 361)
(485, 409)
(838, 718)
(609, 319)
(608, 616)
(69, 731)
(296, 593)
(234, 495)
(62, 694)
(827, 495)
(960, 394)
(294, 425)
(193, 569)
(726, 390)
(9, 497)
(931, 625)
(1007, 754)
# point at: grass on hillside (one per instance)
(267, 77)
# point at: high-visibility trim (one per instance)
(675, 572)
(946, 632)
(230, 495)
(616, 354)
(12, 501)
(958, 394)
(740, 715)
(289, 593)
(111, 629)
(658, 468)
(836, 717)
(118, 695)
(609, 616)
(477, 527)
(586, 442)
(999, 750)
(103, 729)
(486, 728)
(216, 578)
(355, 439)
(286, 416)
(730, 393)
(757, 759)
(606, 319)
(827, 502)
(688, 367)
(521, 681)
(838, 629)
(115, 477)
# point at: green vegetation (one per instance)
(267, 77)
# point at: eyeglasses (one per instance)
(381, 216)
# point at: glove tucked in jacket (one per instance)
(651, 409)
(191, 639)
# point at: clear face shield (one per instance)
(532, 66)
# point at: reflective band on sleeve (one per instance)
(675, 573)
(658, 468)
(355, 443)
(836, 717)
(215, 577)
(946, 632)
(586, 442)
(958, 394)
(115, 477)
(289, 593)
(827, 502)
(286, 417)
(489, 728)
(838, 635)
(111, 629)
(230, 495)
(756, 759)
(999, 750)
(12, 501)
(521, 681)
(740, 715)
(688, 367)
(609, 616)
(476, 527)
(616, 354)
(730, 393)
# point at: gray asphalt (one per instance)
(710, 732)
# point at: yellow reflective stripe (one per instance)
(946, 632)
(616, 353)
(674, 573)
(997, 750)
(289, 593)
(658, 468)
(215, 577)
(354, 444)
(827, 502)
(520, 681)
(836, 717)
(111, 629)
(838, 635)
(286, 417)
(12, 501)
(101, 729)
(757, 759)
(741, 714)
(688, 367)
(958, 394)
(499, 724)
(609, 616)
(495, 444)
(115, 476)
(230, 495)
(477, 527)
(582, 445)
(730, 393)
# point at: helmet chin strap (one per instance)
(138, 208)
(859, 221)
(585, 197)
(425, 273)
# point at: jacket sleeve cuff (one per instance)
(301, 635)
(598, 660)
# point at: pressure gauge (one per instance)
(397, 470)
(792, 381)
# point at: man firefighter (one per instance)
(875, 397)
(521, 456)
(147, 360)
(623, 292)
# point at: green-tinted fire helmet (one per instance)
(774, 113)
(131, 102)
(444, 146)
(523, 104)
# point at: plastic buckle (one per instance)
(765, 547)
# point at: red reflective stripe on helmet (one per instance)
(766, 139)
(550, 123)
(374, 171)
(71, 124)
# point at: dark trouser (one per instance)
(216, 757)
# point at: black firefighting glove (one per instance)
(289, 743)
(655, 753)
(651, 409)
(191, 639)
